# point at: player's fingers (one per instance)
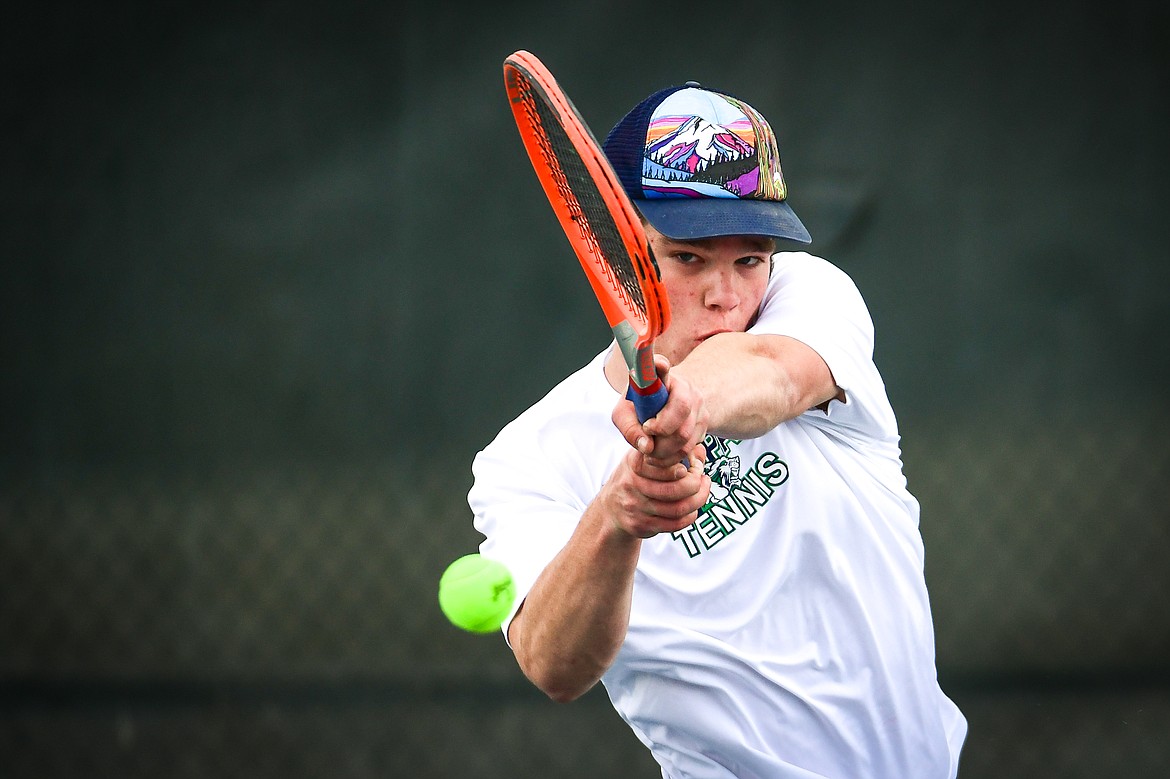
(667, 497)
(625, 419)
(661, 365)
(682, 422)
(693, 458)
(645, 507)
(689, 458)
(659, 470)
(674, 515)
(670, 521)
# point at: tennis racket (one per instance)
(598, 219)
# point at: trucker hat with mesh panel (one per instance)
(699, 163)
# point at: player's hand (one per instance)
(644, 497)
(673, 434)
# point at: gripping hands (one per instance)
(660, 485)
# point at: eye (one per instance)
(686, 258)
(750, 261)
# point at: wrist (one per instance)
(604, 518)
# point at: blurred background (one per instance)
(272, 273)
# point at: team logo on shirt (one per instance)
(737, 494)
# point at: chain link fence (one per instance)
(282, 620)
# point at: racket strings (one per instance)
(586, 204)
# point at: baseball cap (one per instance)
(700, 163)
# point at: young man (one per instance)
(761, 613)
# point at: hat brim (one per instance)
(709, 217)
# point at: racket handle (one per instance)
(648, 401)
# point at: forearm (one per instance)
(751, 383)
(573, 621)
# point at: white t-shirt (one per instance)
(787, 632)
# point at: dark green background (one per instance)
(272, 273)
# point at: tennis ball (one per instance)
(476, 593)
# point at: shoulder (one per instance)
(791, 268)
(570, 410)
(806, 288)
(553, 450)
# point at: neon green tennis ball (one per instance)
(476, 593)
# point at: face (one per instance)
(715, 285)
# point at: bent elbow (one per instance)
(563, 695)
(560, 689)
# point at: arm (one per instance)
(747, 384)
(574, 619)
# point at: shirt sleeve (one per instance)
(523, 501)
(816, 303)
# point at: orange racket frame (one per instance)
(634, 329)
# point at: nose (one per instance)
(721, 292)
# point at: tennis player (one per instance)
(763, 612)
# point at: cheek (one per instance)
(680, 294)
(752, 295)
(686, 298)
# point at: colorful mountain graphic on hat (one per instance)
(692, 149)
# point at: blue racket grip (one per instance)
(648, 402)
